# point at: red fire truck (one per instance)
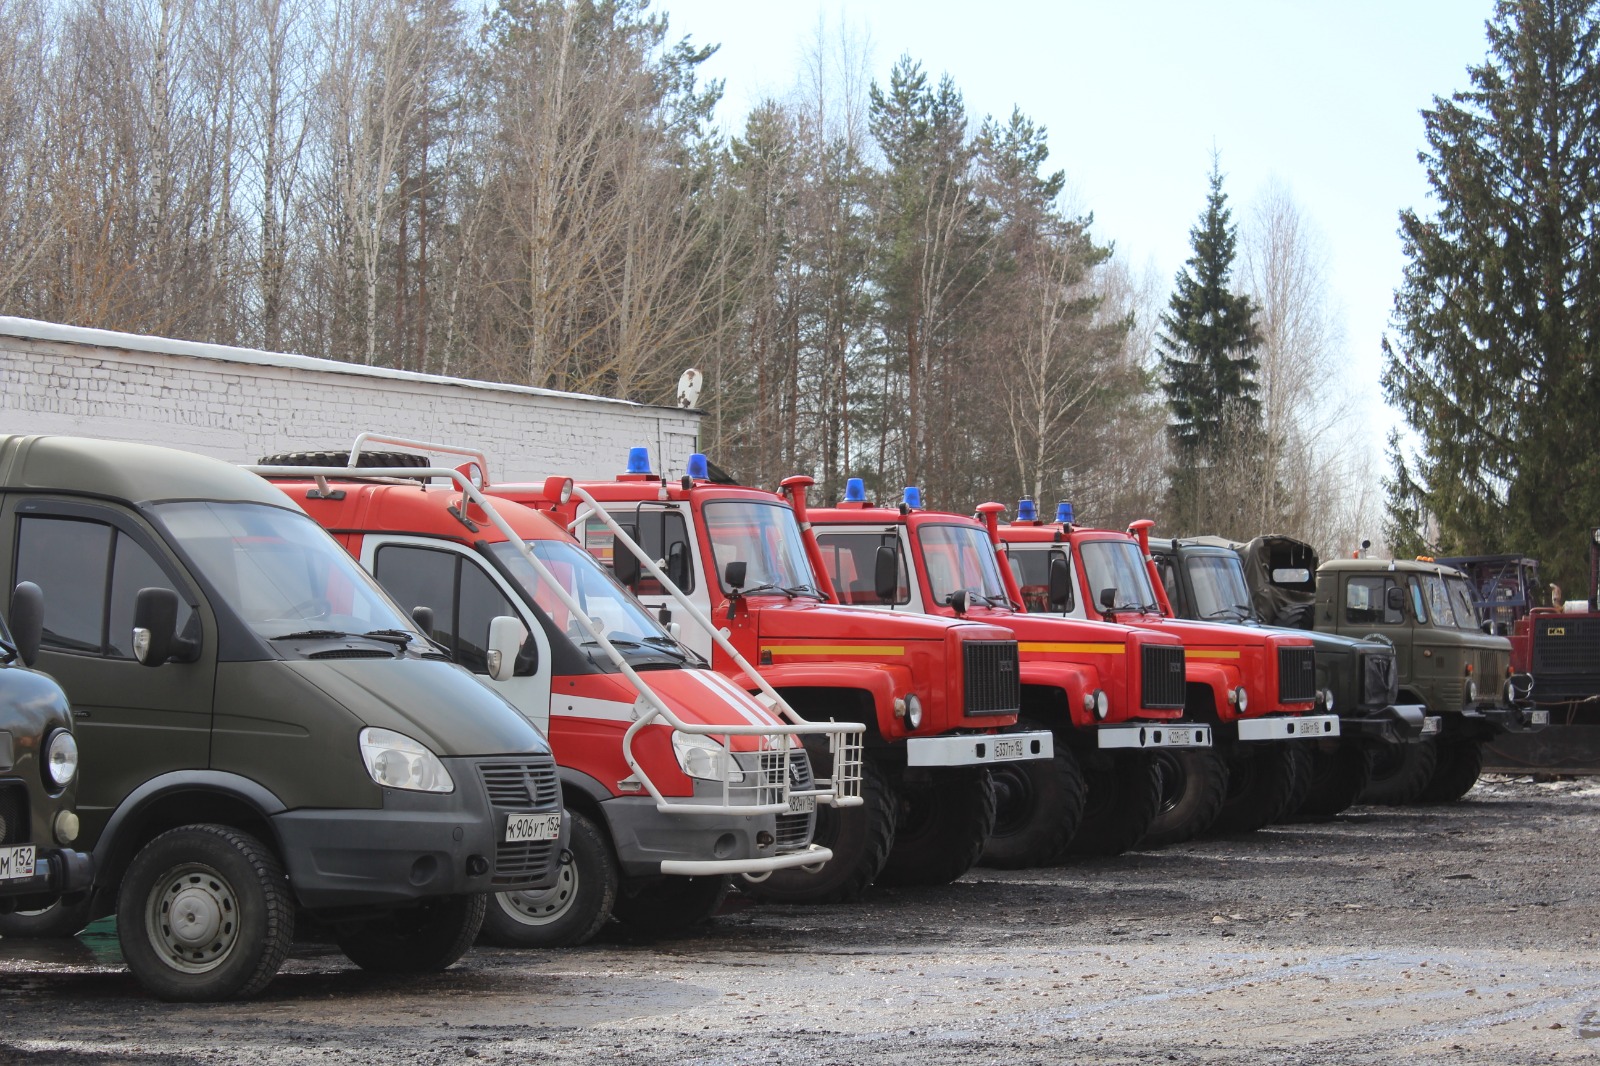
(1257, 689)
(673, 777)
(940, 696)
(1111, 694)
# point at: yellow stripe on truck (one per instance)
(1191, 653)
(1082, 649)
(832, 649)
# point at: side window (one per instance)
(1366, 602)
(852, 562)
(660, 531)
(1418, 602)
(463, 598)
(91, 575)
(1032, 571)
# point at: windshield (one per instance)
(279, 572)
(625, 621)
(1436, 600)
(961, 557)
(1461, 595)
(765, 537)
(1219, 588)
(1117, 564)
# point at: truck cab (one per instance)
(39, 865)
(1111, 694)
(939, 696)
(1257, 689)
(267, 741)
(666, 804)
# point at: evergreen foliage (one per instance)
(1497, 320)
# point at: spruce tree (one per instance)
(1208, 341)
(1497, 320)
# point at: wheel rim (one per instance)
(192, 918)
(1014, 797)
(545, 906)
(1174, 780)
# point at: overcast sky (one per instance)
(1322, 98)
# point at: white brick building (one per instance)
(239, 404)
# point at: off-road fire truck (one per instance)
(1257, 689)
(673, 777)
(938, 695)
(1111, 694)
(1206, 580)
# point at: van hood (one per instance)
(438, 703)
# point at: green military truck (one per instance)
(267, 741)
(1445, 660)
(1357, 678)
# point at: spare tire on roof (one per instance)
(379, 459)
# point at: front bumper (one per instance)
(1153, 735)
(1299, 727)
(650, 841)
(983, 749)
(1400, 723)
(56, 872)
(1488, 721)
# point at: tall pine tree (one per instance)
(1208, 342)
(1497, 321)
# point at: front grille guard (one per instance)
(765, 780)
(841, 789)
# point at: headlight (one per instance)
(1240, 700)
(703, 757)
(1102, 704)
(61, 758)
(1327, 700)
(1471, 690)
(396, 761)
(913, 710)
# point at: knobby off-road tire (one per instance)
(860, 839)
(426, 938)
(1038, 808)
(943, 825)
(1301, 753)
(568, 913)
(331, 458)
(1194, 783)
(1338, 778)
(662, 906)
(1400, 772)
(57, 921)
(1460, 763)
(204, 914)
(1123, 800)
(1260, 783)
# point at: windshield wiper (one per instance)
(398, 637)
(795, 590)
(616, 642)
(314, 634)
(765, 586)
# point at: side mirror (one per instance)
(423, 616)
(678, 564)
(1108, 598)
(1060, 583)
(733, 574)
(1394, 598)
(886, 574)
(27, 621)
(960, 599)
(155, 625)
(1487, 626)
(625, 565)
(506, 635)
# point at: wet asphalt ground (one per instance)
(1460, 934)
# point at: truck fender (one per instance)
(1220, 679)
(113, 851)
(882, 682)
(1072, 679)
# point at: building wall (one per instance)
(239, 405)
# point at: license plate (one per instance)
(802, 804)
(1539, 718)
(1180, 736)
(1308, 729)
(1010, 749)
(533, 827)
(16, 863)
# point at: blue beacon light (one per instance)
(1026, 511)
(855, 491)
(913, 498)
(697, 467)
(638, 460)
(1064, 512)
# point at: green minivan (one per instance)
(266, 740)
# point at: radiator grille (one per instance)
(1566, 648)
(13, 814)
(1162, 677)
(992, 682)
(1380, 681)
(1297, 675)
(794, 830)
(523, 786)
(516, 862)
